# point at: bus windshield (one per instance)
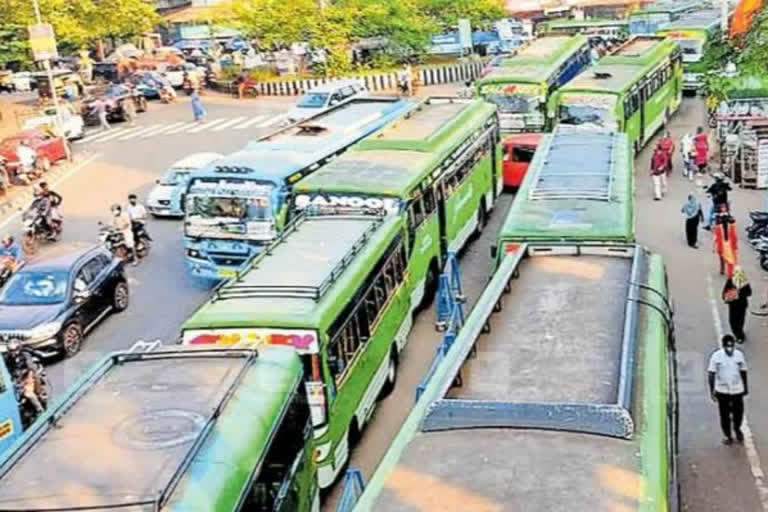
(229, 217)
(515, 104)
(691, 47)
(597, 115)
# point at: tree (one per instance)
(13, 44)
(446, 13)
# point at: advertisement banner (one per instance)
(512, 89)
(304, 341)
(42, 42)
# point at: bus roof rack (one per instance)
(562, 176)
(236, 289)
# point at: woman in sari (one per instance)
(736, 293)
(693, 215)
(726, 243)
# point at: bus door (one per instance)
(439, 194)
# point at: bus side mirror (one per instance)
(494, 251)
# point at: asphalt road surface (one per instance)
(109, 166)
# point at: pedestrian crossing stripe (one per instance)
(121, 133)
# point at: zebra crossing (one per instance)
(125, 133)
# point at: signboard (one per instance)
(597, 100)
(513, 89)
(42, 41)
(225, 188)
(387, 204)
(465, 33)
(304, 341)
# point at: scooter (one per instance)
(114, 241)
(758, 228)
(34, 230)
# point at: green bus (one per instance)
(171, 429)
(635, 90)
(605, 28)
(694, 33)
(335, 289)
(559, 393)
(569, 199)
(520, 86)
(648, 20)
(437, 168)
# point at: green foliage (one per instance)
(447, 12)
(13, 44)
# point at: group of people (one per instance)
(694, 152)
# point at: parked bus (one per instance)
(649, 20)
(635, 90)
(604, 28)
(520, 86)
(694, 33)
(560, 396)
(572, 198)
(333, 288)
(437, 168)
(171, 428)
(236, 206)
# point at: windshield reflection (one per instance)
(243, 208)
(313, 100)
(584, 114)
(515, 104)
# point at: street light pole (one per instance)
(47, 67)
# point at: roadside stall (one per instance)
(68, 84)
(741, 121)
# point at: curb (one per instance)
(378, 82)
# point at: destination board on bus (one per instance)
(604, 100)
(304, 341)
(513, 89)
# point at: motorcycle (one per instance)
(758, 228)
(34, 378)
(114, 241)
(34, 230)
(142, 239)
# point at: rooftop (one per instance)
(141, 421)
(608, 78)
(543, 46)
(423, 122)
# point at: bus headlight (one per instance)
(193, 253)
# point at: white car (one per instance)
(72, 124)
(325, 96)
(166, 199)
(175, 74)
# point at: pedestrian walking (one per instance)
(668, 145)
(659, 164)
(726, 242)
(736, 293)
(728, 386)
(701, 150)
(693, 216)
(242, 78)
(101, 111)
(197, 106)
(686, 153)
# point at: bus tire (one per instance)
(389, 384)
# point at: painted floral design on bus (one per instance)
(305, 342)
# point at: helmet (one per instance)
(13, 346)
(718, 176)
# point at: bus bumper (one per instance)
(515, 123)
(693, 81)
(219, 260)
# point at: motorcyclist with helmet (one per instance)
(55, 199)
(121, 221)
(22, 367)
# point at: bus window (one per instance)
(522, 154)
(276, 487)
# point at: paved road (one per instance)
(714, 477)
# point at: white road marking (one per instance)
(270, 121)
(182, 127)
(250, 122)
(142, 131)
(753, 456)
(55, 184)
(94, 134)
(120, 133)
(205, 126)
(224, 126)
(163, 128)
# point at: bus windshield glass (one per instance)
(589, 110)
(691, 47)
(513, 99)
(247, 214)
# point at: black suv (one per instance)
(53, 301)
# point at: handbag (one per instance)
(730, 295)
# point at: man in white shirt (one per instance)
(27, 157)
(728, 386)
(138, 215)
